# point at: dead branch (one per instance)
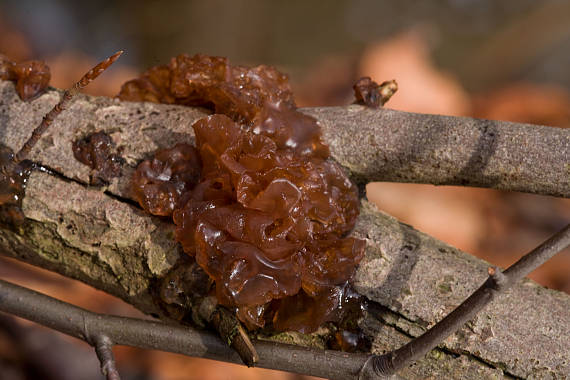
(412, 280)
(373, 144)
(103, 331)
(394, 146)
(497, 283)
(104, 350)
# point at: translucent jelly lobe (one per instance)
(160, 183)
(31, 77)
(13, 179)
(265, 222)
(97, 151)
(201, 80)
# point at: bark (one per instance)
(99, 236)
(395, 146)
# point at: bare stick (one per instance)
(498, 282)
(393, 146)
(104, 349)
(372, 144)
(88, 326)
(63, 104)
(229, 328)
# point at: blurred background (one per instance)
(506, 60)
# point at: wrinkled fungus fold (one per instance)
(257, 203)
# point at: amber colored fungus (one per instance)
(31, 77)
(13, 178)
(371, 94)
(159, 183)
(259, 95)
(96, 151)
(268, 215)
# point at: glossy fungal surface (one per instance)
(258, 203)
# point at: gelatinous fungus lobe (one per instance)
(31, 77)
(268, 214)
(160, 183)
(13, 178)
(371, 94)
(207, 81)
(97, 152)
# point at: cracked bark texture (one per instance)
(99, 236)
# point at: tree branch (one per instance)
(422, 280)
(394, 146)
(104, 350)
(373, 144)
(103, 331)
(497, 283)
(411, 279)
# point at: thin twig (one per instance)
(229, 329)
(498, 282)
(63, 104)
(78, 323)
(104, 350)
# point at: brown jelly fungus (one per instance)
(259, 96)
(160, 183)
(31, 77)
(371, 94)
(13, 178)
(258, 203)
(97, 152)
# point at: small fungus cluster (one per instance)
(373, 95)
(256, 202)
(96, 151)
(13, 179)
(31, 77)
